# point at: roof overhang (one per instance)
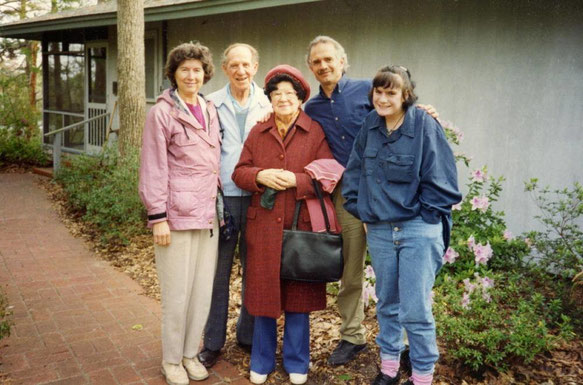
(103, 15)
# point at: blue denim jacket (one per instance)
(397, 177)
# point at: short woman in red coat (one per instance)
(274, 156)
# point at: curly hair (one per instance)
(188, 51)
(395, 76)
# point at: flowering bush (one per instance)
(487, 305)
(496, 321)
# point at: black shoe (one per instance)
(405, 363)
(345, 352)
(383, 379)
(208, 357)
(408, 382)
(245, 347)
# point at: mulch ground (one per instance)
(564, 365)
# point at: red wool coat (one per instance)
(265, 294)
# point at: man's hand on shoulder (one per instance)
(429, 109)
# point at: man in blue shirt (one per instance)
(240, 104)
(341, 107)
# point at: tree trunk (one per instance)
(30, 70)
(131, 73)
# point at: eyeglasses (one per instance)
(277, 95)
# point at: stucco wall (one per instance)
(508, 73)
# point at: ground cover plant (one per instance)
(5, 315)
(103, 190)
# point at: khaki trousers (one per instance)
(350, 303)
(186, 269)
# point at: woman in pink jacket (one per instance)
(179, 179)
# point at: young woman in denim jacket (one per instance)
(401, 181)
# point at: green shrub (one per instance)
(21, 150)
(104, 191)
(5, 316)
(490, 306)
(560, 245)
(495, 326)
(557, 260)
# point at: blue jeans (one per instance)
(296, 344)
(406, 257)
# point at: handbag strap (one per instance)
(324, 211)
(296, 215)
(321, 199)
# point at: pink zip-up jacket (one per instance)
(179, 169)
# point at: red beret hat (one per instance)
(291, 71)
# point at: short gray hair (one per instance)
(254, 53)
(323, 39)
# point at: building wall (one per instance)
(509, 74)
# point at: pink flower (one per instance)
(368, 293)
(507, 235)
(486, 296)
(471, 242)
(450, 255)
(458, 133)
(528, 242)
(482, 253)
(466, 301)
(457, 206)
(369, 272)
(480, 203)
(487, 282)
(470, 287)
(478, 176)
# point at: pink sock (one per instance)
(422, 379)
(390, 367)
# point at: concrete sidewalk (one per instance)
(77, 319)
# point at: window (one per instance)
(152, 65)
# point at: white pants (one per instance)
(186, 269)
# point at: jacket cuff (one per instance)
(304, 187)
(155, 218)
(351, 206)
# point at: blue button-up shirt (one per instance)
(397, 177)
(342, 114)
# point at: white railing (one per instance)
(57, 142)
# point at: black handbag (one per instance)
(308, 256)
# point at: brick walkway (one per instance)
(74, 314)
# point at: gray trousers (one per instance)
(216, 326)
(185, 271)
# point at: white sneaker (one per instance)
(196, 371)
(174, 373)
(257, 378)
(298, 378)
